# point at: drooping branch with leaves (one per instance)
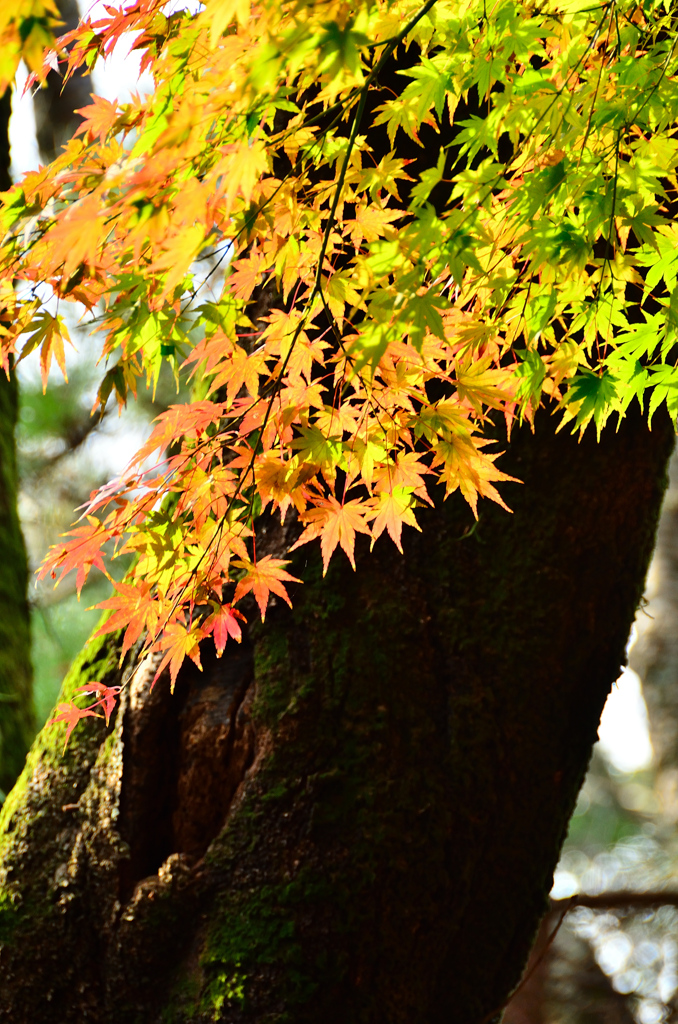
(415, 218)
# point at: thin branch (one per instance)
(622, 899)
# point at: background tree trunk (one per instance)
(55, 105)
(654, 656)
(354, 816)
(16, 700)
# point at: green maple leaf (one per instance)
(314, 446)
(432, 82)
(428, 179)
(664, 382)
(531, 372)
(596, 395)
(422, 312)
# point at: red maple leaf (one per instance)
(223, 623)
(108, 696)
(72, 714)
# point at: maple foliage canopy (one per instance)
(363, 327)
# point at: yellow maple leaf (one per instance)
(471, 470)
(219, 14)
(392, 509)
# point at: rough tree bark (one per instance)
(354, 816)
(16, 695)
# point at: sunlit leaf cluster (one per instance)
(418, 216)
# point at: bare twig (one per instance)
(623, 899)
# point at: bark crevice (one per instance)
(176, 803)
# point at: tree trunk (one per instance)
(354, 816)
(16, 695)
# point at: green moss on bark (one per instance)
(51, 779)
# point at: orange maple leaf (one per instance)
(79, 235)
(190, 420)
(236, 369)
(407, 471)
(471, 470)
(50, 335)
(263, 578)
(98, 118)
(244, 275)
(81, 553)
(335, 524)
(178, 642)
(134, 607)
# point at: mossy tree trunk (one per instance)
(16, 695)
(355, 815)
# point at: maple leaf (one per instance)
(222, 623)
(335, 524)
(189, 420)
(108, 696)
(482, 386)
(370, 224)
(178, 642)
(25, 33)
(392, 509)
(220, 13)
(471, 470)
(315, 447)
(276, 481)
(79, 235)
(408, 471)
(98, 118)
(264, 577)
(236, 369)
(50, 335)
(178, 253)
(135, 608)
(243, 167)
(82, 553)
(71, 714)
(245, 275)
